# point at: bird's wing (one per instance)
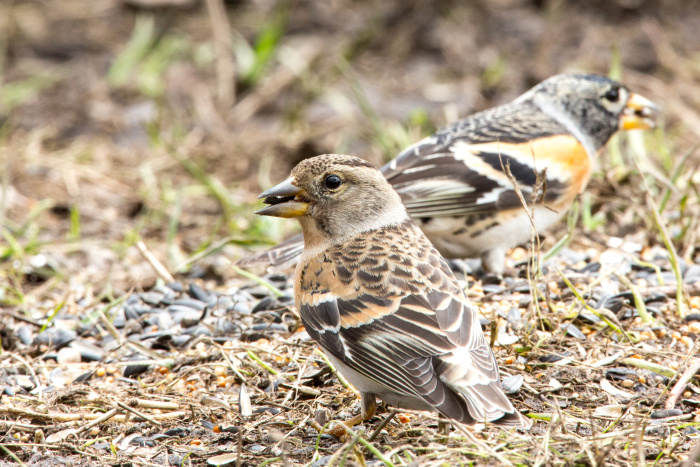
(461, 169)
(408, 327)
(404, 345)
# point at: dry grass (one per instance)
(122, 132)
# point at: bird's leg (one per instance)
(443, 426)
(368, 408)
(493, 261)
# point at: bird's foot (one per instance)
(368, 409)
(342, 430)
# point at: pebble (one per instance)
(182, 313)
(514, 316)
(269, 327)
(130, 313)
(666, 413)
(164, 320)
(152, 298)
(55, 337)
(573, 331)
(224, 304)
(175, 286)
(197, 292)
(68, 355)
(266, 303)
(25, 334)
(321, 462)
(23, 381)
(493, 288)
(590, 268)
(199, 330)
(512, 384)
(135, 370)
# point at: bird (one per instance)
(381, 301)
(459, 184)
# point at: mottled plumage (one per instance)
(380, 299)
(454, 183)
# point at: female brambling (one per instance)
(380, 300)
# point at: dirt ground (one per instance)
(138, 133)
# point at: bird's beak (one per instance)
(285, 200)
(639, 114)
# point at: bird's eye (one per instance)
(612, 95)
(333, 181)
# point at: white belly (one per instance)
(455, 239)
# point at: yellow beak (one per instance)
(285, 200)
(639, 114)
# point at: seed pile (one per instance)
(186, 371)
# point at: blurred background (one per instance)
(162, 120)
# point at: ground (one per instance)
(130, 164)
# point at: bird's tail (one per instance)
(487, 402)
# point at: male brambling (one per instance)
(455, 185)
(380, 300)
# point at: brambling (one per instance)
(455, 183)
(380, 299)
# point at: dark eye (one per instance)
(612, 95)
(333, 181)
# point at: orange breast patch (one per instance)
(563, 156)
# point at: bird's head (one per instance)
(602, 105)
(334, 197)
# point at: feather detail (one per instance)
(397, 317)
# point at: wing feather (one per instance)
(409, 327)
(459, 170)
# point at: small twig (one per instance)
(109, 325)
(72, 417)
(638, 299)
(139, 414)
(359, 439)
(106, 416)
(225, 66)
(640, 444)
(381, 426)
(12, 455)
(231, 366)
(157, 266)
(679, 387)
(257, 359)
(349, 446)
(13, 425)
(302, 389)
(162, 405)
